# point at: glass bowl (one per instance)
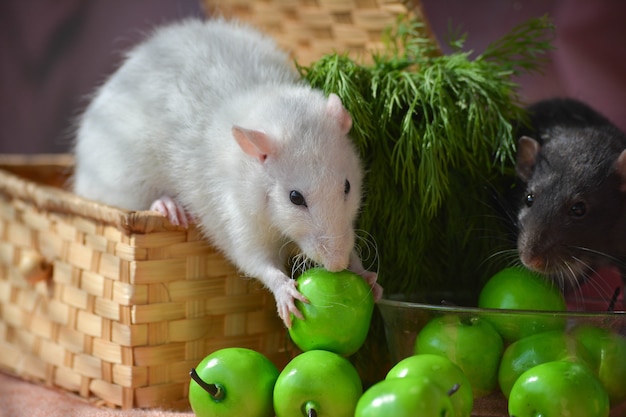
(403, 318)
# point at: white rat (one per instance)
(209, 121)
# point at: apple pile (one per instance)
(319, 382)
(420, 385)
(540, 366)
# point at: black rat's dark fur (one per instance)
(577, 219)
(566, 112)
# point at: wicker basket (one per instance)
(118, 305)
(308, 29)
(115, 304)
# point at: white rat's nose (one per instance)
(333, 253)
(336, 266)
(335, 262)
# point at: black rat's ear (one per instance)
(253, 142)
(527, 151)
(620, 169)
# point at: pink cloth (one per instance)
(598, 291)
(24, 399)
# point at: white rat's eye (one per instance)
(297, 198)
(346, 187)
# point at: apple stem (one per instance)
(310, 409)
(216, 391)
(613, 300)
(454, 389)
(469, 321)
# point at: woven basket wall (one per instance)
(118, 305)
(113, 304)
(308, 29)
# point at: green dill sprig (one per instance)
(524, 48)
(436, 135)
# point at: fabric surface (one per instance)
(25, 399)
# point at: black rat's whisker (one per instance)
(600, 254)
(572, 280)
(510, 256)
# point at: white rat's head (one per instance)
(313, 174)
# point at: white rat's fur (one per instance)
(212, 115)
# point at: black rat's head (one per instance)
(574, 208)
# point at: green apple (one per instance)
(609, 351)
(317, 383)
(536, 349)
(442, 372)
(405, 397)
(518, 288)
(470, 342)
(233, 382)
(559, 388)
(338, 315)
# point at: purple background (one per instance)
(54, 53)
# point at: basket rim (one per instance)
(61, 201)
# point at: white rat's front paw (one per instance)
(171, 209)
(371, 277)
(286, 294)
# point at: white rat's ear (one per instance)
(334, 108)
(253, 142)
(620, 169)
(527, 151)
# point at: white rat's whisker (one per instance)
(367, 249)
(332, 237)
(299, 264)
(286, 250)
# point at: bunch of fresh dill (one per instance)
(436, 134)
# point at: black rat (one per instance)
(572, 161)
(208, 120)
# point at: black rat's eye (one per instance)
(530, 199)
(297, 198)
(346, 187)
(578, 209)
